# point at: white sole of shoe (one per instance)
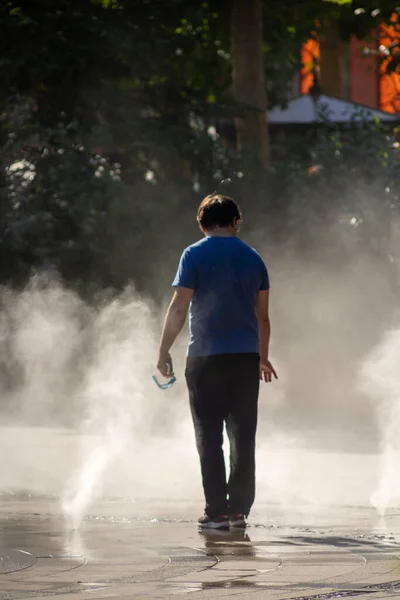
(238, 524)
(213, 525)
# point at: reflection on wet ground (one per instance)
(148, 550)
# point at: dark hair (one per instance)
(217, 210)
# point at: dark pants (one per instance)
(224, 389)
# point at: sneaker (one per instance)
(238, 521)
(221, 522)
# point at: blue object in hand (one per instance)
(168, 384)
(165, 386)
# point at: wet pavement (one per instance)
(150, 549)
(321, 541)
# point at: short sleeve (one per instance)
(264, 279)
(185, 275)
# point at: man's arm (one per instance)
(173, 324)
(264, 328)
(264, 325)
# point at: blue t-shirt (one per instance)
(226, 275)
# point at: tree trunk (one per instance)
(248, 76)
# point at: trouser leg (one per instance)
(207, 395)
(241, 427)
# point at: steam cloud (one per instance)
(78, 377)
(81, 417)
(380, 380)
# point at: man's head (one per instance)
(219, 212)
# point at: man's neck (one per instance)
(221, 232)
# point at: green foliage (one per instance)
(86, 112)
(351, 192)
(115, 116)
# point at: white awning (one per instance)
(304, 109)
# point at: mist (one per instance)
(81, 418)
(380, 380)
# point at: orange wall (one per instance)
(310, 58)
(370, 83)
(364, 73)
(389, 84)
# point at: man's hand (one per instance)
(163, 363)
(267, 371)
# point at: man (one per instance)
(226, 285)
